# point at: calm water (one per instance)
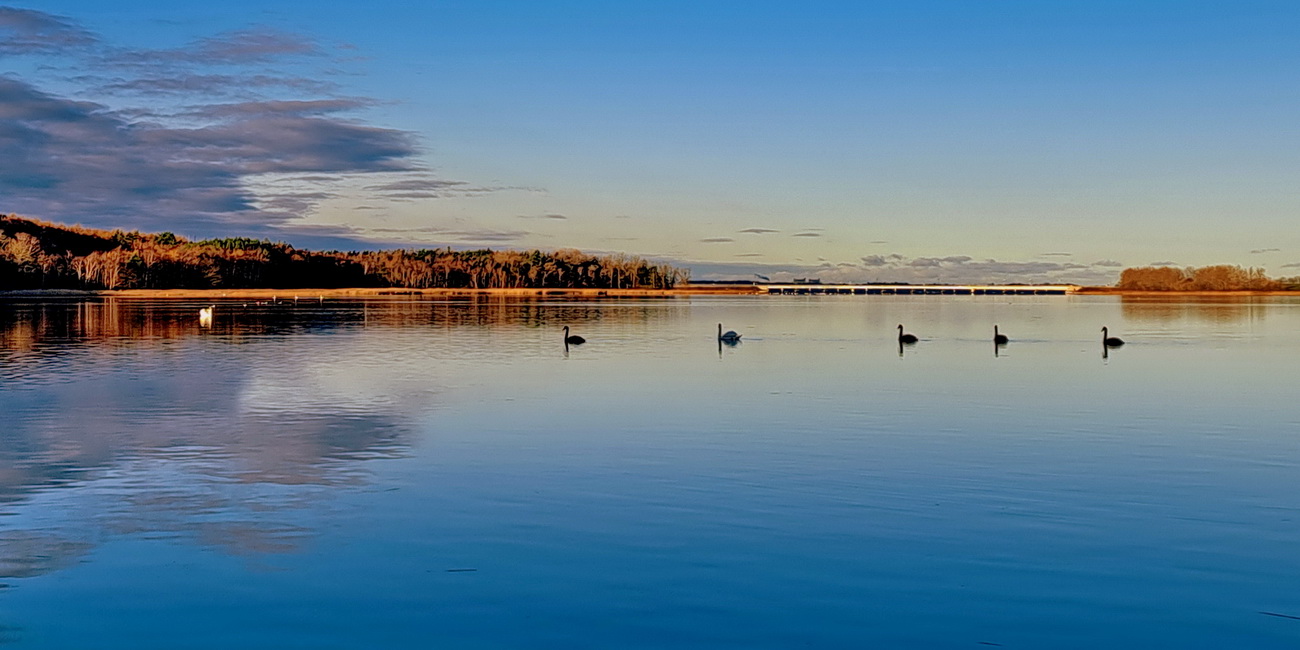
(410, 474)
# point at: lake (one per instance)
(407, 473)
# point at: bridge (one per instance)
(810, 289)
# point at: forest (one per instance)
(41, 255)
(1219, 277)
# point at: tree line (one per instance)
(1219, 277)
(41, 255)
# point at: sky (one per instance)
(899, 140)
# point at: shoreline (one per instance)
(393, 292)
(383, 292)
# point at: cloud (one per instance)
(252, 46)
(759, 231)
(214, 167)
(1107, 263)
(1166, 263)
(421, 186)
(240, 47)
(557, 217)
(25, 31)
(293, 202)
(899, 268)
(1292, 265)
(487, 236)
(1257, 251)
(807, 234)
(422, 229)
(939, 261)
(1056, 254)
(72, 159)
(749, 255)
(470, 235)
(716, 240)
(207, 84)
(284, 108)
(881, 260)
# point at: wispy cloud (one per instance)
(282, 108)
(416, 186)
(25, 31)
(716, 240)
(235, 48)
(1056, 254)
(807, 234)
(1257, 251)
(183, 83)
(933, 262)
(250, 46)
(461, 235)
(557, 217)
(900, 268)
(882, 260)
(487, 236)
(759, 231)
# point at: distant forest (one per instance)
(41, 255)
(1221, 277)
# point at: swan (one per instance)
(905, 338)
(729, 337)
(205, 316)
(1000, 339)
(1110, 341)
(575, 339)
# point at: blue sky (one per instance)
(905, 140)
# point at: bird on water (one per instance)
(729, 337)
(1000, 339)
(1110, 341)
(205, 316)
(905, 338)
(572, 340)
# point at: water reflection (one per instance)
(27, 554)
(122, 420)
(219, 430)
(364, 449)
(1168, 310)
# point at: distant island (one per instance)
(40, 255)
(1219, 277)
